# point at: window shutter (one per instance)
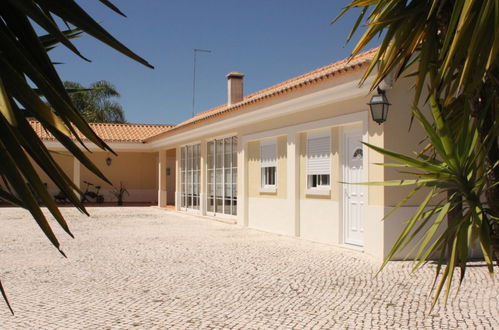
(268, 153)
(318, 154)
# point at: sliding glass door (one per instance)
(190, 160)
(222, 176)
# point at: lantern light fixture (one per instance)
(379, 106)
(109, 160)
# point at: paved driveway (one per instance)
(149, 268)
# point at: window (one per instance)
(318, 160)
(268, 163)
(222, 176)
(190, 159)
(268, 176)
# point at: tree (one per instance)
(450, 48)
(24, 63)
(94, 102)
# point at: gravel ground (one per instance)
(143, 267)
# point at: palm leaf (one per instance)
(28, 78)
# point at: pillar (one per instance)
(178, 188)
(202, 184)
(242, 182)
(293, 181)
(162, 197)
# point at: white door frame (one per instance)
(213, 213)
(348, 131)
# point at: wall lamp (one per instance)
(379, 106)
(109, 160)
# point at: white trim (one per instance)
(162, 193)
(221, 216)
(293, 180)
(242, 183)
(356, 117)
(318, 191)
(191, 143)
(220, 137)
(323, 97)
(268, 189)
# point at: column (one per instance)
(242, 182)
(162, 178)
(178, 174)
(293, 181)
(202, 185)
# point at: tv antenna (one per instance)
(196, 50)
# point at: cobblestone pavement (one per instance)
(142, 267)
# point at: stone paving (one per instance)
(143, 267)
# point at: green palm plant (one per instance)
(452, 173)
(95, 103)
(24, 64)
(448, 47)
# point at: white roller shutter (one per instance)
(268, 153)
(318, 153)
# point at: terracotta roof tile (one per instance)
(112, 132)
(133, 133)
(307, 79)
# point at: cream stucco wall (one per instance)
(270, 214)
(136, 170)
(397, 136)
(320, 214)
(254, 170)
(268, 211)
(65, 161)
(319, 217)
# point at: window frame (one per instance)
(265, 171)
(190, 168)
(319, 187)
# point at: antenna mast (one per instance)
(196, 50)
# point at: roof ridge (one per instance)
(111, 132)
(347, 62)
(116, 124)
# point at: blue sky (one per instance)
(269, 41)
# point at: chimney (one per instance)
(234, 88)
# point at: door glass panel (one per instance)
(190, 172)
(234, 206)
(234, 151)
(219, 206)
(227, 153)
(222, 176)
(219, 154)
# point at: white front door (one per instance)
(353, 195)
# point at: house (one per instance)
(274, 160)
(134, 165)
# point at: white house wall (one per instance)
(271, 215)
(320, 220)
(289, 209)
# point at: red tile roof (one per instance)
(306, 80)
(112, 132)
